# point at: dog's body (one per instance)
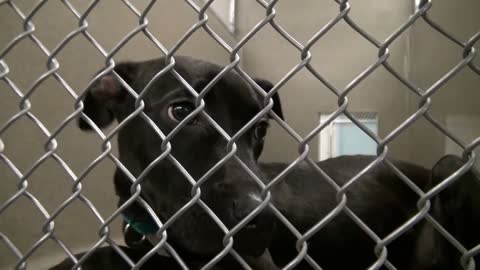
(379, 198)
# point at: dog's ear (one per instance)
(267, 86)
(104, 94)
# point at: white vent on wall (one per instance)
(343, 137)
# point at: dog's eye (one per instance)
(179, 111)
(261, 130)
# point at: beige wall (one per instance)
(432, 57)
(340, 56)
(419, 54)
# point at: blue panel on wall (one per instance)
(351, 140)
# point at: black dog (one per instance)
(379, 198)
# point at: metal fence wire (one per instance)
(466, 48)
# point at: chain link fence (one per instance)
(465, 48)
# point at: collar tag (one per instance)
(144, 228)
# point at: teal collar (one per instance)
(144, 228)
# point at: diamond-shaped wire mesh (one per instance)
(51, 133)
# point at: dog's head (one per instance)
(229, 191)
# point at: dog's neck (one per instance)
(148, 230)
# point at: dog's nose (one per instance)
(255, 236)
(243, 207)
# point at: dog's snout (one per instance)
(254, 224)
(223, 188)
(255, 235)
(241, 208)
